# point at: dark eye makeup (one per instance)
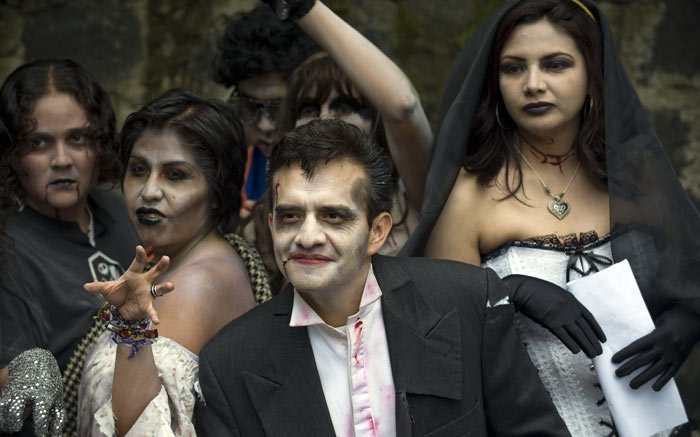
(175, 174)
(308, 110)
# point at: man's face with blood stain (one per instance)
(58, 168)
(167, 195)
(319, 227)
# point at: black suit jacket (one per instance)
(458, 366)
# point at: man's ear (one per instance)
(381, 226)
(269, 222)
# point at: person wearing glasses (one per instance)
(354, 81)
(257, 52)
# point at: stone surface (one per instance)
(138, 49)
(657, 42)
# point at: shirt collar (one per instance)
(91, 226)
(304, 315)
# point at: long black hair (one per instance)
(490, 146)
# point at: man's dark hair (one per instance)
(321, 141)
(18, 96)
(210, 129)
(257, 42)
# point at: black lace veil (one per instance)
(654, 224)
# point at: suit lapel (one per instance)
(287, 395)
(424, 346)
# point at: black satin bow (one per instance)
(594, 261)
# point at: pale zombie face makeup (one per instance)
(166, 192)
(346, 108)
(58, 169)
(319, 227)
(271, 89)
(543, 79)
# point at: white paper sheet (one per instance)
(614, 299)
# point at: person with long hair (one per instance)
(28, 368)
(184, 160)
(61, 230)
(545, 170)
(354, 81)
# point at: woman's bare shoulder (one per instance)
(468, 188)
(456, 233)
(209, 292)
(216, 275)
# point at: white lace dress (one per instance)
(570, 379)
(168, 414)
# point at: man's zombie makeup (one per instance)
(257, 100)
(319, 227)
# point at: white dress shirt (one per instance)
(353, 364)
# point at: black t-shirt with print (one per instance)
(42, 300)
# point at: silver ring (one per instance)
(154, 291)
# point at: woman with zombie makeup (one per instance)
(184, 161)
(354, 81)
(546, 169)
(61, 230)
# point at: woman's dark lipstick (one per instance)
(62, 183)
(309, 259)
(149, 216)
(538, 108)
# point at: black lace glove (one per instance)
(663, 350)
(557, 310)
(34, 380)
(293, 9)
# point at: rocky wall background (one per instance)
(139, 48)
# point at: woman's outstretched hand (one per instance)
(557, 310)
(131, 293)
(663, 350)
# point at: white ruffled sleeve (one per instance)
(168, 414)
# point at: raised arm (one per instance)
(136, 380)
(384, 84)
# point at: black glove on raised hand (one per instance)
(34, 380)
(557, 310)
(663, 350)
(294, 9)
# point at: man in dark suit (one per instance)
(357, 343)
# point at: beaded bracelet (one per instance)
(132, 333)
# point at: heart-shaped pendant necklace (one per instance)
(557, 207)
